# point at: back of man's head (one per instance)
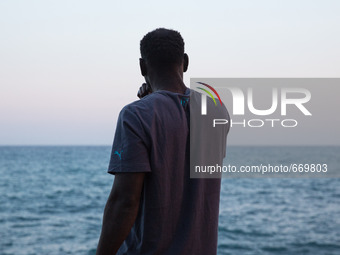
(162, 48)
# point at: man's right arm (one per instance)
(120, 211)
(144, 90)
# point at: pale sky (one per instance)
(68, 67)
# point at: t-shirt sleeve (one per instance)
(130, 153)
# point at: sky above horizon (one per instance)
(68, 67)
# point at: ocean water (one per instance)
(52, 200)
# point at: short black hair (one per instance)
(162, 47)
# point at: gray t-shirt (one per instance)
(177, 215)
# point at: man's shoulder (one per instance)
(140, 108)
(148, 103)
(140, 104)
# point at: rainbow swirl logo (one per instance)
(209, 93)
(204, 97)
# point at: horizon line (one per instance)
(228, 145)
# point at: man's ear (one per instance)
(185, 62)
(142, 66)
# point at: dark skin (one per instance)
(120, 211)
(156, 78)
(122, 205)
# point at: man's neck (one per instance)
(170, 82)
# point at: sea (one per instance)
(52, 200)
